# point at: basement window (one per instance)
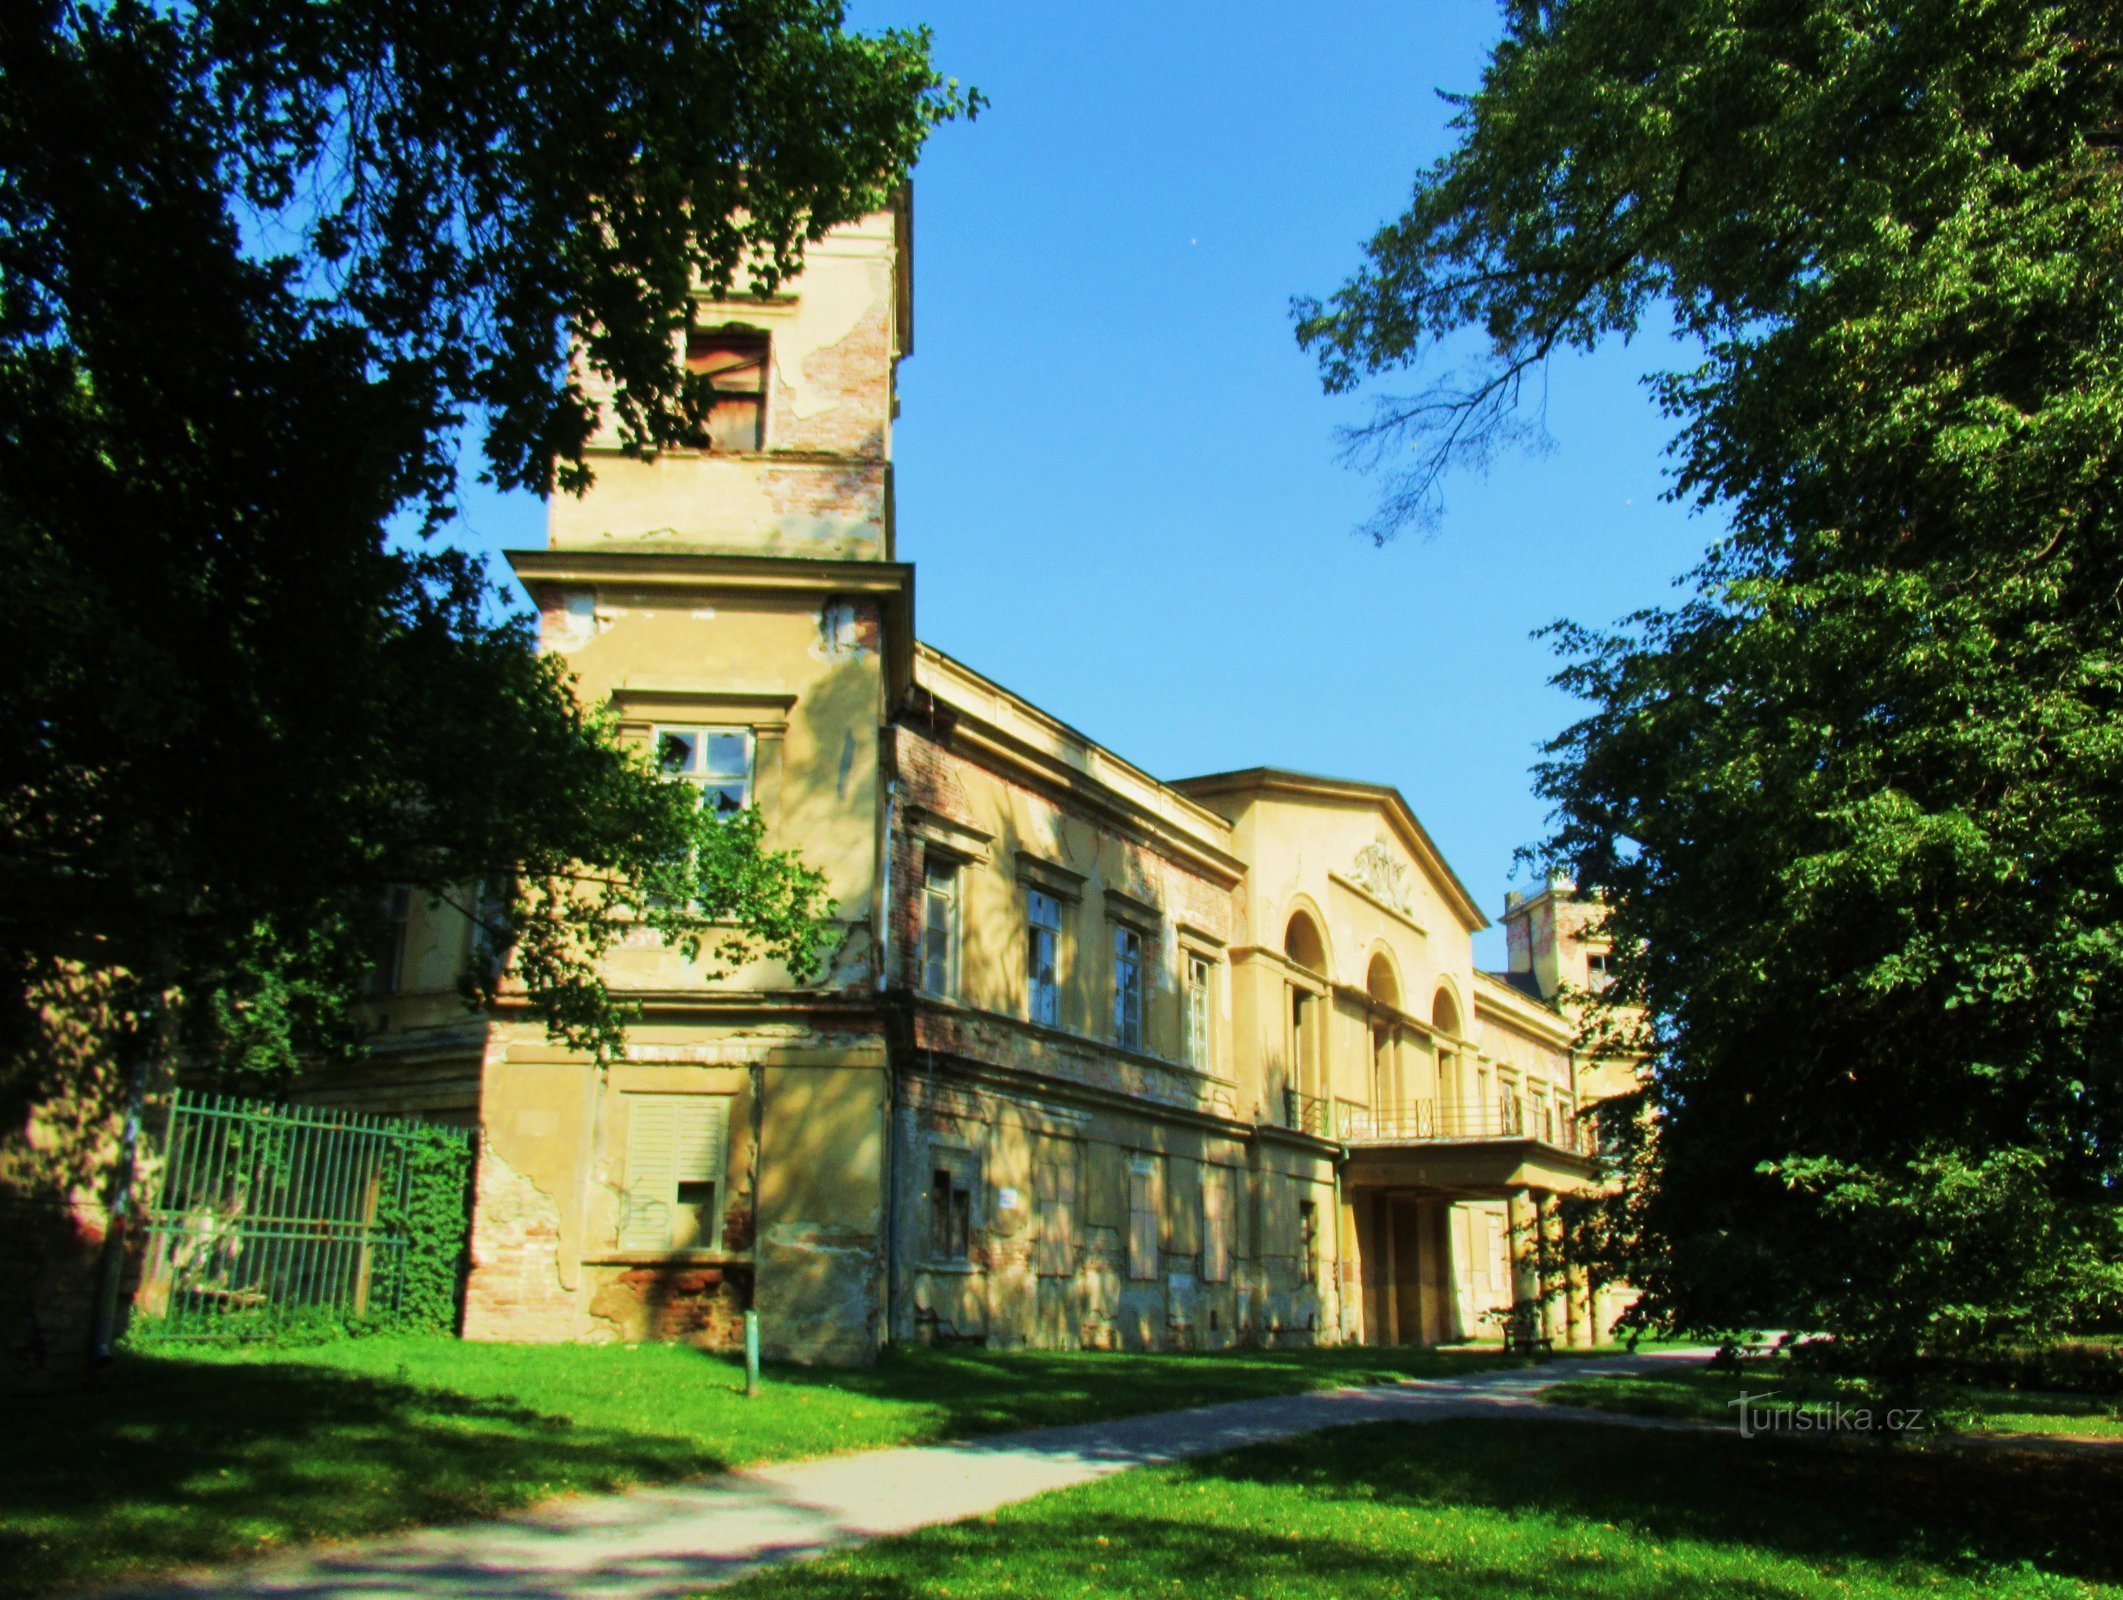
(728, 367)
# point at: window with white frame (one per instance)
(1127, 987)
(1596, 975)
(716, 761)
(672, 1199)
(939, 923)
(1042, 959)
(1201, 974)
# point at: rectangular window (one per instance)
(727, 367)
(1054, 1190)
(939, 924)
(1127, 988)
(387, 973)
(1216, 1224)
(1308, 1239)
(716, 761)
(950, 1213)
(673, 1194)
(1596, 970)
(1199, 974)
(1143, 1214)
(1042, 948)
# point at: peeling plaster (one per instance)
(835, 305)
(574, 622)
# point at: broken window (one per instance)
(939, 923)
(727, 369)
(716, 761)
(1042, 949)
(1199, 974)
(1308, 1239)
(1216, 1224)
(1127, 988)
(951, 1212)
(672, 1199)
(1143, 1216)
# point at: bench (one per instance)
(1522, 1332)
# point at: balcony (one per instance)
(1487, 1150)
(1432, 1121)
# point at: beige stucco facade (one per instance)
(1100, 1060)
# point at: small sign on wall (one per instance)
(1006, 1199)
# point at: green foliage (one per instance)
(1856, 804)
(428, 1202)
(263, 264)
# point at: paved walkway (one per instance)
(655, 1544)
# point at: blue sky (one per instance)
(1116, 471)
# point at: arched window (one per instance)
(1385, 992)
(1306, 950)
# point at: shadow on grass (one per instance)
(174, 1462)
(987, 1391)
(1288, 1550)
(1963, 1511)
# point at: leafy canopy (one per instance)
(1856, 804)
(262, 265)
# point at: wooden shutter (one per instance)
(1183, 1206)
(1142, 1217)
(1055, 1191)
(652, 1173)
(671, 1139)
(1216, 1224)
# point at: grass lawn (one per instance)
(1497, 1510)
(181, 1459)
(1708, 1397)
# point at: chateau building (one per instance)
(1101, 1060)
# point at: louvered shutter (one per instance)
(652, 1173)
(1216, 1224)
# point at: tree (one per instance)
(1856, 805)
(264, 264)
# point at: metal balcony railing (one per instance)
(1436, 1122)
(1308, 1113)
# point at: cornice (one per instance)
(889, 583)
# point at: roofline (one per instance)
(1209, 831)
(1284, 780)
(1522, 1009)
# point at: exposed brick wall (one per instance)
(515, 1290)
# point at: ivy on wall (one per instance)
(431, 1210)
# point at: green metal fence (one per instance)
(267, 1217)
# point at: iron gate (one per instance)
(265, 1216)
